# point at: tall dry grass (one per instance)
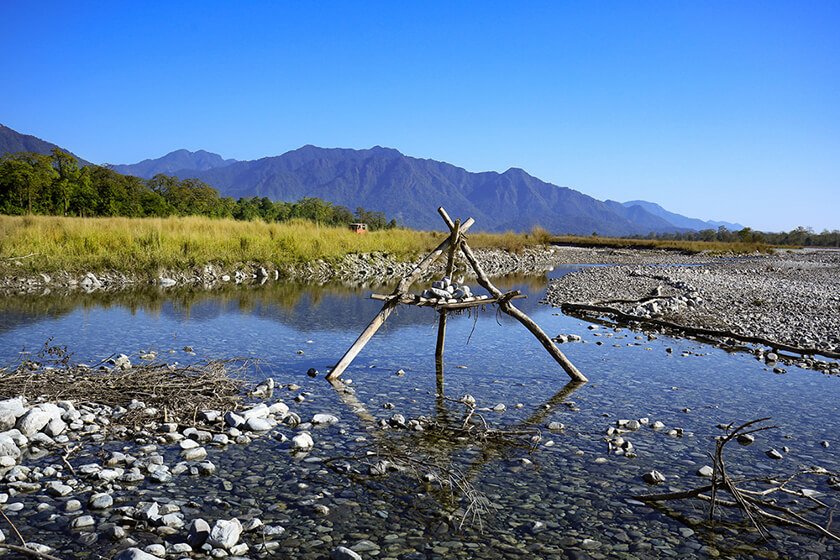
(51, 243)
(132, 244)
(712, 247)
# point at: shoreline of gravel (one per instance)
(791, 297)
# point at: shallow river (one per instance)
(560, 503)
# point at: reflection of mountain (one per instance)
(300, 306)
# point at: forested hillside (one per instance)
(55, 184)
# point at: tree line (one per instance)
(800, 236)
(54, 184)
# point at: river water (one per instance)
(568, 499)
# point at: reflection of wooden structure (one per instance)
(400, 295)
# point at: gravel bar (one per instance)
(792, 297)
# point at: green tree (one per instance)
(26, 178)
(67, 181)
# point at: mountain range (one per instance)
(406, 188)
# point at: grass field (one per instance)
(693, 247)
(49, 243)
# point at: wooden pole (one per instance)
(529, 324)
(389, 305)
(454, 237)
(441, 336)
(363, 339)
(513, 311)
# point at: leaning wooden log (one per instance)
(364, 338)
(699, 331)
(507, 307)
(390, 304)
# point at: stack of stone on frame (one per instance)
(446, 291)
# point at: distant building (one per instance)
(359, 227)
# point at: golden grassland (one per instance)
(51, 243)
(683, 246)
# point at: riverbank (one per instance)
(792, 297)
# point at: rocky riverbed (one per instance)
(792, 297)
(305, 470)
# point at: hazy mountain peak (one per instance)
(678, 220)
(178, 162)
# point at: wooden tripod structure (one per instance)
(455, 242)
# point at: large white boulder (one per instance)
(225, 533)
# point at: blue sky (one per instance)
(717, 110)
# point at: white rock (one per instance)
(194, 454)
(135, 554)
(33, 421)
(344, 553)
(302, 442)
(10, 411)
(234, 420)
(279, 408)
(83, 521)
(101, 500)
(259, 424)
(225, 533)
(324, 419)
(8, 447)
(258, 411)
(198, 534)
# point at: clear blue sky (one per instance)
(718, 110)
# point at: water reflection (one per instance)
(292, 328)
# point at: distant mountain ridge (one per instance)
(12, 141)
(410, 190)
(174, 163)
(403, 187)
(679, 220)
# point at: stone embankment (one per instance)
(354, 269)
(792, 297)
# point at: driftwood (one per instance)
(507, 307)
(699, 331)
(759, 505)
(27, 551)
(455, 241)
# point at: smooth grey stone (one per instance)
(225, 533)
(83, 522)
(198, 534)
(135, 554)
(653, 477)
(344, 553)
(100, 501)
(705, 471)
